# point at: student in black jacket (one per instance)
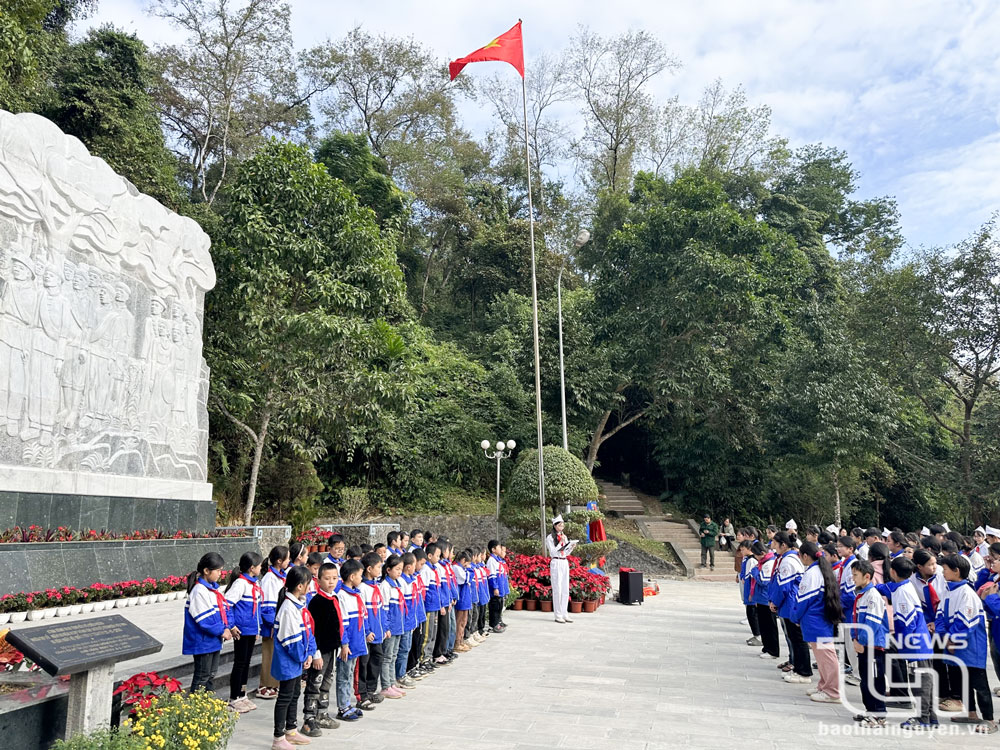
(325, 611)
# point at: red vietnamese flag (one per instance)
(505, 48)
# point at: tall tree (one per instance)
(100, 92)
(612, 77)
(299, 338)
(231, 83)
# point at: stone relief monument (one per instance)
(101, 303)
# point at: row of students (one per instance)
(364, 627)
(810, 592)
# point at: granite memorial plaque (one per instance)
(73, 647)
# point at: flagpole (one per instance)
(534, 318)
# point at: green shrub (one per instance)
(591, 553)
(574, 530)
(523, 546)
(567, 480)
(102, 739)
(512, 596)
(584, 516)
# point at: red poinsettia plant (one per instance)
(315, 535)
(530, 575)
(140, 690)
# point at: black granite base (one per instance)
(111, 513)
(42, 565)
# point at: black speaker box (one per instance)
(630, 587)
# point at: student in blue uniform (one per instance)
(986, 586)
(370, 666)
(961, 621)
(243, 594)
(745, 578)
(760, 578)
(433, 581)
(270, 585)
(463, 599)
(294, 650)
(846, 547)
(354, 645)
(869, 641)
(484, 594)
(912, 638)
(395, 605)
(408, 592)
(206, 621)
(416, 540)
(415, 667)
(495, 567)
(818, 612)
(784, 585)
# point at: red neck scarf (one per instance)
(308, 623)
(376, 597)
(361, 607)
(220, 600)
(255, 588)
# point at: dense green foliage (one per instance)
(743, 332)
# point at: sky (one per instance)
(910, 89)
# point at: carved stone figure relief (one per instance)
(101, 301)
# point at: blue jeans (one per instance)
(451, 631)
(345, 683)
(390, 653)
(405, 642)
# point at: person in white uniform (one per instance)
(559, 548)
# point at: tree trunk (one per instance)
(258, 451)
(595, 442)
(836, 499)
(970, 494)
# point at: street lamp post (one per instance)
(503, 450)
(581, 239)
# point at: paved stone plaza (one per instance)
(672, 673)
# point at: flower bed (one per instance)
(70, 600)
(529, 574)
(34, 534)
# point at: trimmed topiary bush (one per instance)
(567, 480)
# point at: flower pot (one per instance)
(546, 605)
(589, 606)
(575, 607)
(516, 606)
(118, 604)
(62, 611)
(34, 615)
(160, 598)
(601, 600)
(88, 607)
(531, 604)
(16, 617)
(4, 618)
(76, 609)
(133, 601)
(143, 600)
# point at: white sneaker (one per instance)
(766, 655)
(755, 641)
(569, 619)
(812, 691)
(560, 620)
(797, 679)
(820, 697)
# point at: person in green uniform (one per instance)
(709, 532)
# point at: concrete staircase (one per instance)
(621, 500)
(685, 542)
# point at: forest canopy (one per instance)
(744, 332)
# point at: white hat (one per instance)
(791, 525)
(925, 531)
(885, 532)
(557, 519)
(992, 531)
(833, 529)
(947, 530)
(980, 529)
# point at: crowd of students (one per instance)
(357, 626)
(843, 600)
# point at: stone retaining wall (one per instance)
(41, 565)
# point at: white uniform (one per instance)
(559, 573)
